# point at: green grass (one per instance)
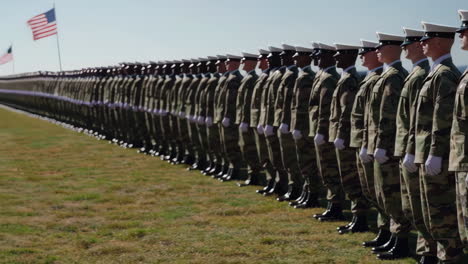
(68, 198)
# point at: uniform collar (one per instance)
(439, 60)
(375, 69)
(419, 62)
(348, 69)
(328, 68)
(387, 66)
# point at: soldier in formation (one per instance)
(390, 140)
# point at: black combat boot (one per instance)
(385, 247)
(317, 216)
(382, 237)
(334, 214)
(398, 251)
(359, 225)
(428, 260)
(347, 225)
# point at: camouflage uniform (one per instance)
(458, 154)
(434, 114)
(340, 127)
(381, 134)
(405, 125)
(319, 115)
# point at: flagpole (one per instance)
(13, 61)
(58, 42)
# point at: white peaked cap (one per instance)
(274, 49)
(212, 58)
(303, 49)
(186, 61)
(369, 44)
(431, 27)
(221, 57)
(177, 61)
(249, 55)
(315, 45)
(325, 46)
(463, 15)
(194, 60)
(231, 56)
(203, 59)
(263, 52)
(389, 37)
(346, 47)
(409, 32)
(287, 47)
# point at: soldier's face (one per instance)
(412, 50)
(464, 39)
(428, 46)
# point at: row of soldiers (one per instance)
(392, 140)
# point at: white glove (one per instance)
(260, 129)
(226, 122)
(364, 156)
(163, 113)
(208, 121)
(319, 139)
(190, 118)
(284, 128)
(339, 143)
(201, 120)
(433, 165)
(408, 163)
(297, 134)
(269, 130)
(244, 127)
(380, 155)
(181, 114)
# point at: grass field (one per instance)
(68, 198)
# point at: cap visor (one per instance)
(460, 30)
(425, 38)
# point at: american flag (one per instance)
(43, 25)
(7, 57)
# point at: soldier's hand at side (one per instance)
(297, 134)
(269, 130)
(260, 129)
(226, 122)
(284, 128)
(201, 120)
(181, 114)
(339, 143)
(364, 156)
(380, 155)
(209, 121)
(433, 165)
(408, 163)
(319, 139)
(244, 127)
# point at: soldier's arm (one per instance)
(287, 102)
(346, 102)
(302, 97)
(326, 95)
(231, 97)
(413, 96)
(247, 100)
(388, 109)
(444, 95)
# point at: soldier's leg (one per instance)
(462, 205)
(274, 155)
(231, 147)
(411, 204)
(263, 159)
(291, 165)
(328, 169)
(248, 147)
(202, 145)
(352, 188)
(440, 213)
(306, 157)
(214, 146)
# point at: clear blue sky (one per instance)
(105, 32)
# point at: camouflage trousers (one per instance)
(249, 151)
(274, 155)
(440, 212)
(203, 139)
(289, 159)
(366, 177)
(194, 139)
(328, 169)
(214, 144)
(262, 153)
(388, 195)
(230, 142)
(305, 153)
(184, 136)
(462, 205)
(411, 204)
(350, 180)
